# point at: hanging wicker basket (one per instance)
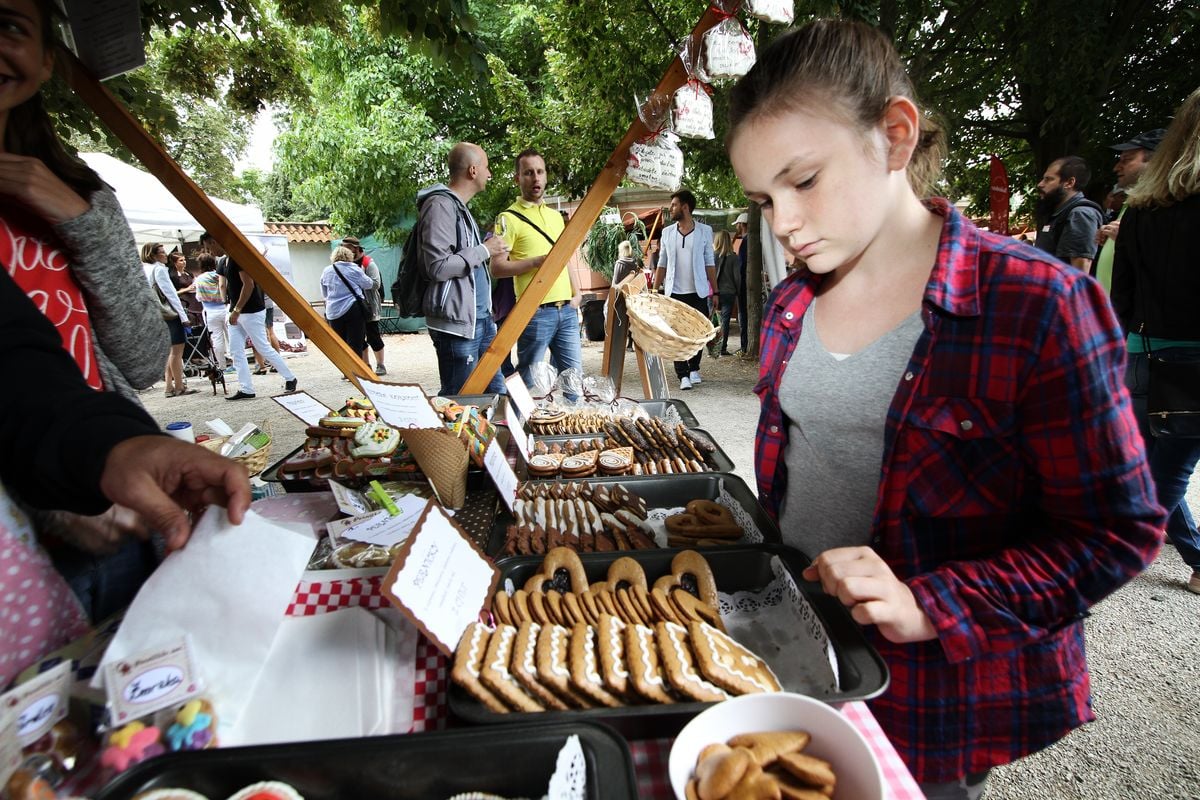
(668, 328)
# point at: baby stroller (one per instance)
(199, 359)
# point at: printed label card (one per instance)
(402, 405)
(440, 579)
(40, 702)
(518, 394)
(304, 407)
(517, 431)
(350, 501)
(149, 682)
(496, 463)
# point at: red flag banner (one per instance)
(998, 196)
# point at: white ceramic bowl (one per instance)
(833, 739)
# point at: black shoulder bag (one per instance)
(358, 298)
(530, 223)
(1173, 396)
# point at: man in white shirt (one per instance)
(687, 270)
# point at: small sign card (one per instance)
(496, 463)
(40, 702)
(517, 431)
(304, 407)
(151, 681)
(349, 501)
(518, 394)
(10, 746)
(380, 527)
(440, 579)
(402, 405)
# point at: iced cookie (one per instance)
(553, 644)
(585, 671)
(679, 665)
(610, 644)
(468, 661)
(645, 670)
(495, 673)
(375, 440)
(728, 664)
(524, 666)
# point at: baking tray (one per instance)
(723, 462)
(474, 474)
(511, 760)
(861, 670)
(667, 491)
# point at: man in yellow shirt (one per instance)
(529, 227)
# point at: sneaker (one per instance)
(685, 383)
(290, 386)
(230, 370)
(1193, 585)
(242, 396)
(695, 376)
(380, 369)
(726, 353)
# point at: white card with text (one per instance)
(150, 681)
(304, 407)
(402, 405)
(40, 702)
(350, 501)
(381, 528)
(523, 442)
(518, 394)
(496, 463)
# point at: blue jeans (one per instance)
(458, 355)
(727, 303)
(556, 329)
(1172, 462)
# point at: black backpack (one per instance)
(408, 292)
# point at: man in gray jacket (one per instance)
(458, 300)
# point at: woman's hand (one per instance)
(100, 535)
(32, 184)
(865, 584)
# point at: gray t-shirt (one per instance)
(836, 408)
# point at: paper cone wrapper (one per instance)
(442, 456)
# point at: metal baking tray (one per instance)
(475, 476)
(511, 761)
(723, 462)
(667, 491)
(861, 670)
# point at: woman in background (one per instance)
(342, 286)
(728, 283)
(1156, 293)
(154, 265)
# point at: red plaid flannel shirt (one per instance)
(1013, 494)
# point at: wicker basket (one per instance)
(668, 328)
(254, 462)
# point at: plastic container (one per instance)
(669, 491)
(512, 761)
(862, 672)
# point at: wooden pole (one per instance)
(577, 227)
(147, 150)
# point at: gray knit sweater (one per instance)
(131, 340)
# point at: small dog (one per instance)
(216, 375)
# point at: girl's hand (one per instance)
(31, 183)
(866, 585)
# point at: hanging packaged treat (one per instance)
(656, 162)
(728, 50)
(694, 111)
(781, 11)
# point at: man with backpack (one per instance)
(530, 228)
(1067, 221)
(453, 260)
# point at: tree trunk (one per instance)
(754, 281)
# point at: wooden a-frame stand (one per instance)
(156, 160)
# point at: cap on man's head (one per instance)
(742, 219)
(1149, 140)
(351, 241)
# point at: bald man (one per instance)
(454, 258)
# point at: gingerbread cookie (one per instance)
(585, 672)
(524, 667)
(679, 665)
(610, 643)
(810, 770)
(495, 673)
(720, 771)
(562, 571)
(690, 609)
(768, 746)
(728, 664)
(468, 660)
(645, 666)
(553, 644)
(691, 571)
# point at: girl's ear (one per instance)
(902, 126)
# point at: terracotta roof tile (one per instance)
(301, 231)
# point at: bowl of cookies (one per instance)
(773, 745)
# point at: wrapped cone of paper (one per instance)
(442, 456)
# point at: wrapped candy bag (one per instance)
(728, 50)
(694, 110)
(656, 162)
(780, 11)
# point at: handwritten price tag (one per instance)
(40, 702)
(304, 407)
(440, 580)
(150, 681)
(402, 405)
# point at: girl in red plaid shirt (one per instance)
(944, 423)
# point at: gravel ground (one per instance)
(1144, 641)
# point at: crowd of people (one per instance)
(954, 424)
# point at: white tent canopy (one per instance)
(153, 212)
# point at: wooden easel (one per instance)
(578, 225)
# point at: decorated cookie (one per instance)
(728, 664)
(468, 662)
(562, 571)
(194, 728)
(267, 790)
(375, 440)
(553, 643)
(169, 794)
(585, 670)
(524, 666)
(610, 645)
(679, 665)
(131, 744)
(496, 675)
(645, 671)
